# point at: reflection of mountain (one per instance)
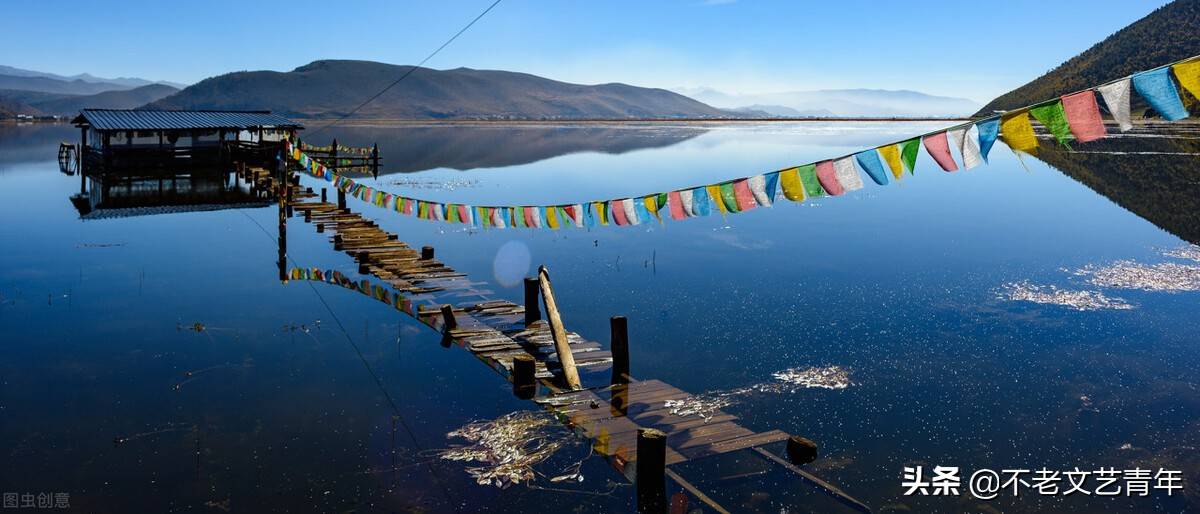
(1162, 188)
(407, 149)
(34, 142)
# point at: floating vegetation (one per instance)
(194, 327)
(1187, 252)
(509, 447)
(444, 185)
(302, 327)
(790, 380)
(1161, 277)
(1051, 295)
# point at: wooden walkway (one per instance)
(495, 332)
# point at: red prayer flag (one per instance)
(1083, 116)
(745, 197)
(675, 202)
(939, 148)
(827, 176)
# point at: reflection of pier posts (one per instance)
(650, 477)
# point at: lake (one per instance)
(1037, 312)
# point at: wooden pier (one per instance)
(618, 413)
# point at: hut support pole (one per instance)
(561, 344)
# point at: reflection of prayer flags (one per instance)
(847, 175)
(758, 187)
(908, 153)
(589, 215)
(675, 205)
(1188, 75)
(651, 202)
(686, 202)
(869, 160)
(500, 216)
(891, 155)
(808, 177)
(967, 143)
(743, 195)
(1083, 114)
(527, 215)
(792, 188)
(1054, 118)
(536, 214)
(1018, 132)
(617, 208)
(452, 214)
(939, 148)
(1159, 90)
(827, 176)
(702, 202)
(551, 217)
(484, 218)
(603, 212)
(641, 214)
(716, 197)
(988, 129)
(728, 197)
(576, 213)
(771, 187)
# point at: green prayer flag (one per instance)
(908, 153)
(728, 197)
(1054, 118)
(661, 201)
(452, 213)
(808, 177)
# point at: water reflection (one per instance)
(135, 193)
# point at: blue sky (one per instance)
(953, 48)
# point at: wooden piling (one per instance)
(448, 320)
(561, 345)
(532, 311)
(426, 253)
(619, 343)
(801, 450)
(341, 199)
(650, 475)
(320, 228)
(524, 378)
(324, 198)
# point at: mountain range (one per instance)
(38, 93)
(838, 103)
(1168, 34)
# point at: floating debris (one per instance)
(790, 380)
(444, 185)
(509, 447)
(1050, 295)
(1161, 277)
(99, 245)
(1187, 252)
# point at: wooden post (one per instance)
(375, 160)
(448, 320)
(561, 344)
(650, 475)
(801, 450)
(341, 199)
(333, 156)
(426, 253)
(532, 311)
(320, 228)
(619, 343)
(524, 378)
(324, 198)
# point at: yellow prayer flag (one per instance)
(1188, 74)
(551, 218)
(793, 189)
(651, 202)
(891, 155)
(1018, 132)
(714, 192)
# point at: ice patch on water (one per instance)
(1186, 252)
(508, 447)
(1161, 277)
(790, 380)
(1026, 291)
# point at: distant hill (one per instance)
(332, 88)
(11, 108)
(123, 82)
(839, 102)
(127, 99)
(48, 85)
(1165, 35)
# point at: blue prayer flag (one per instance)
(869, 160)
(1158, 89)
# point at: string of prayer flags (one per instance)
(869, 160)
(988, 130)
(1083, 116)
(1054, 118)
(1075, 116)
(939, 148)
(1116, 97)
(1158, 89)
(1018, 132)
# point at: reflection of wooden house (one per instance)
(135, 193)
(120, 137)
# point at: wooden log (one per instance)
(324, 198)
(341, 197)
(801, 450)
(562, 345)
(619, 328)
(650, 475)
(532, 311)
(426, 253)
(448, 320)
(320, 228)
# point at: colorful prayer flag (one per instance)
(617, 208)
(808, 177)
(702, 201)
(908, 152)
(685, 197)
(1159, 90)
(1054, 118)
(1188, 75)
(675, 205)
(1018, 132)
(1083, 115)
(869, 161)
(716, 197)
(891, 155)
(728, 197)
(827, 176)
(743, 195)
(793, 189)
(939, 148)
(968, 147)
(847, 175)
(758, 188)
(988, 130)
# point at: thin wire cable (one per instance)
(407, 73)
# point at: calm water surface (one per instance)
(110, 392)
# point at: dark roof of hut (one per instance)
(138, 119)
